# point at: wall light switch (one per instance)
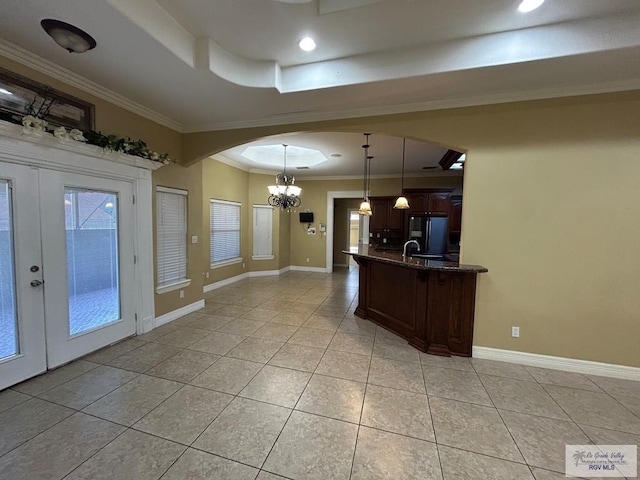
(194, 239)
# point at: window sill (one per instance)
(262, 257)
(225, 263)
(173, 286)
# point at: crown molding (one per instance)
(35, 62)
(457, 102)
(380, 177)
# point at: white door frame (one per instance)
(331, 197)
(360, 232)
(48, 152)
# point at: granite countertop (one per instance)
(415, 262)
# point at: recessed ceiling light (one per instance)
(529, 5)
(307, 44)
(5, 92)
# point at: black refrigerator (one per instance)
(430, 232)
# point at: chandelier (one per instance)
(284, 194)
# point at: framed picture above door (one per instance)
(20, 96)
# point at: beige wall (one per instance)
(284, 235)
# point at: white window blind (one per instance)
(171, 213)
(225, 231)
(262, 232)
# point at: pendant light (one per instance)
(401, 202)
(365, 206)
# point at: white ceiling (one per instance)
(385, 150)
(198, 65)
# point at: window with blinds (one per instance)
(224, 224)
(171, 214)
(262, 232)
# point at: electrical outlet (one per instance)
(194, 239)
(243, 265)
(515, 332)
(307, 259)
(206, 274)
(181, 293)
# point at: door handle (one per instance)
(36, 283)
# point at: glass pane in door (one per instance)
(91, 222)
(9, 344)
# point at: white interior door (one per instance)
(22, 331)
(88, 257)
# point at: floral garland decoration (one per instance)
(36, 126)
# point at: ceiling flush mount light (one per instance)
(529, 5)
(68, 36)
(284, 194)
(365, 206)
(307, 44)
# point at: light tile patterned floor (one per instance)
(284, 388)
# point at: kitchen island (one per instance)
(428, 302)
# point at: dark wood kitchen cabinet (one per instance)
(385, 218)
(439, 203)
(429, 202)
(455, 215)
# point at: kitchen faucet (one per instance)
(404, 248)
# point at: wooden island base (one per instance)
(429, 303)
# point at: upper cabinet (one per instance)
(455, 215)
(385, 218)
(433, 202)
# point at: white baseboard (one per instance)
(264, 273)
(301, 268)
(181, 312)
(242, 276)
(558, 363)
(224, 283)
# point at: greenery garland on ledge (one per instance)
(138, 148)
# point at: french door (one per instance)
(67, 262)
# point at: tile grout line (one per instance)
(294, 406)
(364, 398)
(501, 417)
(433, 424)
